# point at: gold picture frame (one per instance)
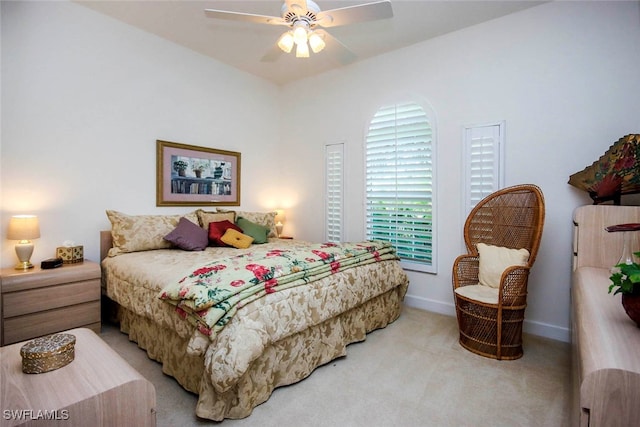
(188, 175)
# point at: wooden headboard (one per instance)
(106, 243)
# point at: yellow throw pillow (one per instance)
(494, 260)
(236, 239)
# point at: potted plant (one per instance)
(625, 280)
(198, 168)
(180, 166)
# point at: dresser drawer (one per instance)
(46, 322)
(35, 300)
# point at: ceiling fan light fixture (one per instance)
(300, 32)
(285, 42)
(303, 17)
(302, 50)
(316, 42)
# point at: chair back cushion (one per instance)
(494, 260)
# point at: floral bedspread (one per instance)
(210, 295)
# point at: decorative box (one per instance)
(47, 353)
(70, 254)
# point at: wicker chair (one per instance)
(512, 218)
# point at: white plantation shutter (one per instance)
(334, 190)
(483, 161)
(399, 183)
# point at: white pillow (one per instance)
(494, 260)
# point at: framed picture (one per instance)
(188, 175)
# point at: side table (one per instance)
(38, 302)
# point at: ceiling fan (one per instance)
(304, 17)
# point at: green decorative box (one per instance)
(70, 254)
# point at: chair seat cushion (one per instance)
(481, 293)
(494, 260)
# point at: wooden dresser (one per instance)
(605, 342)
(37, 302)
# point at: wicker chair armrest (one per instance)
(513, 286)
(465, 270)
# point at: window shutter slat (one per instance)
(483, 145)
(399, 181)
(334, 192)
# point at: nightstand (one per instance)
(38, 302)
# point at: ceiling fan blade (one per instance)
(335, 48)
(299, 7)
(272, 55)
(354, 14)
(245, 17)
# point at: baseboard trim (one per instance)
(530, 327)
(430, 305)
(548, 331)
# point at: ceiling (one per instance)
(242, 45)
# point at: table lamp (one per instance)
(279, 220)
(23, 228)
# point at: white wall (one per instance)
(84, 99)
(564, 76)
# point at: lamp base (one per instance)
(23, 265)
(24, 249)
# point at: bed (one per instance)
(276, 336)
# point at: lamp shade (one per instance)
(316, 42)
(285, 42)
(300, 33)
(302, 50)
(23, 227)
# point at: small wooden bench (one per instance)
(98, 388)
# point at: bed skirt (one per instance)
(284, 362)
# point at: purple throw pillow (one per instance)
(188, 236)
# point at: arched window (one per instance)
(400, 183)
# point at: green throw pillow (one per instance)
(259, 232)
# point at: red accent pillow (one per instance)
(217, 230)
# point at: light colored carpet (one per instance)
(411, 373)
